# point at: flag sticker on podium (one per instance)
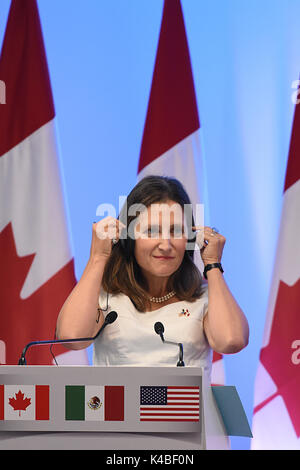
(169, 403)
(24, 402)
(94, 403)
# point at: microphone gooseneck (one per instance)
(110, 318)
(159, 329)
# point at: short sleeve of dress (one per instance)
(205, 300)
(103, 302)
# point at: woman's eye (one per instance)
(177, 231)
(153, 231)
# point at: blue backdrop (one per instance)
(245, 56)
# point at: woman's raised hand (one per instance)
(105, 233)
(211, 244)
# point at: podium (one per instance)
(91, 407)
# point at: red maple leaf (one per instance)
(33, 318)
(19, 403)
(277, 356)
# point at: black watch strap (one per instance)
(208, 267)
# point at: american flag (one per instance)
(169, 404)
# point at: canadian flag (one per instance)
(37, 267)
(276, 420)
(171, 144)
(24, 402)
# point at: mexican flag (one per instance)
(94, 403)
(37, 265)
(171, 144)
(276, 420)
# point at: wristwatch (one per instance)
(208, 267)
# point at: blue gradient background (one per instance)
(245, 56)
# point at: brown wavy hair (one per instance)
(122, 274)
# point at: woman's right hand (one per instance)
(104, 232)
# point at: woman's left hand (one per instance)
(211, 244)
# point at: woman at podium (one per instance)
(142, 266)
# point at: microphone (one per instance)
(110, 318)
(159, 329)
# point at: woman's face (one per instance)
(160, 239)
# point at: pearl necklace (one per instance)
(163, 298)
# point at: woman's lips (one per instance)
(164, 257)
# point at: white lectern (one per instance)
(132, 408)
